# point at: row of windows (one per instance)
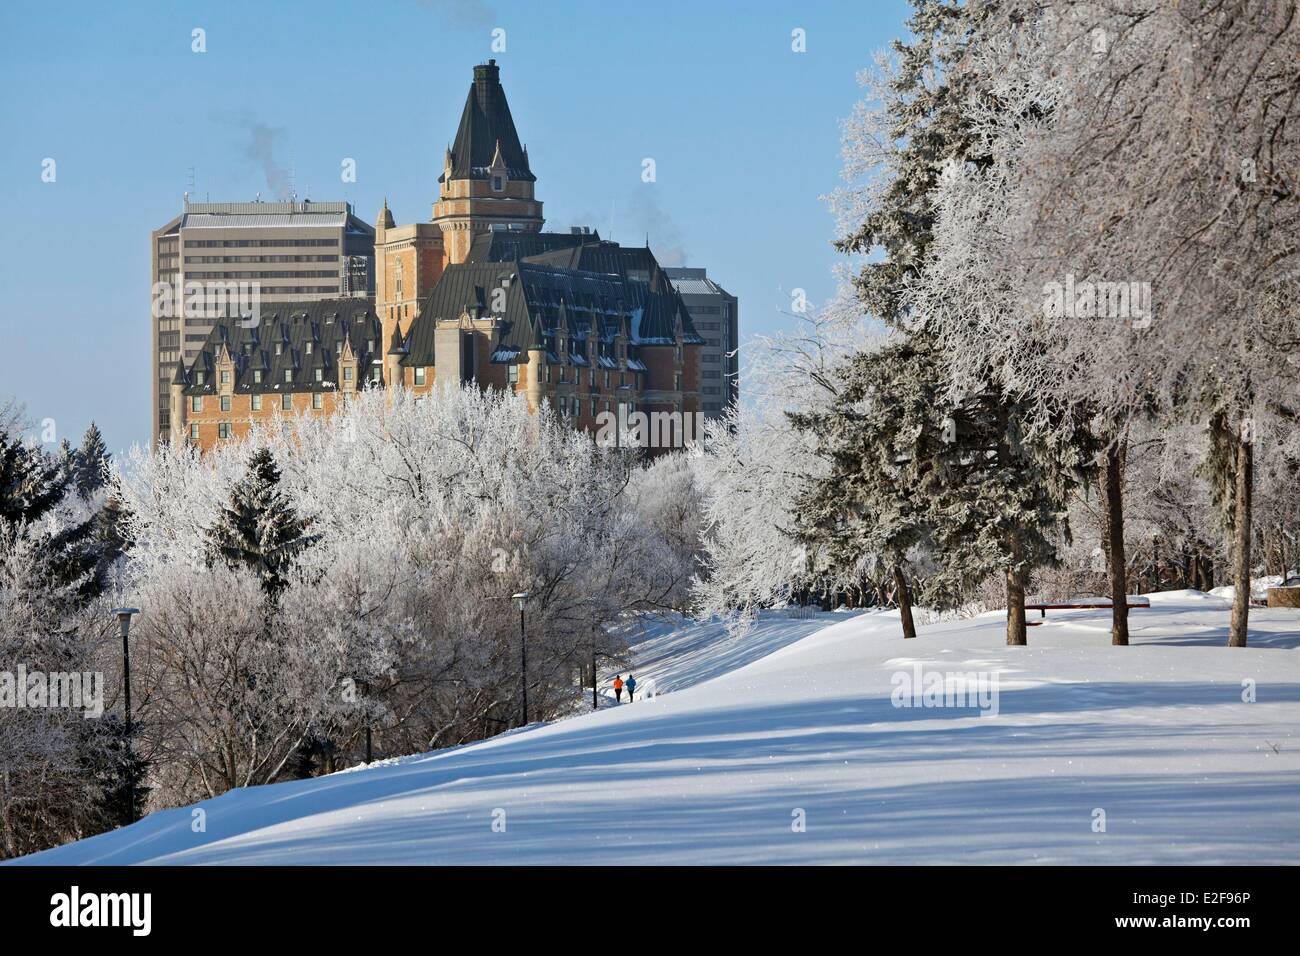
(318, 375)
(255, 404)
(303, 258)
(263, 243)
(577, 376)
(268, 274)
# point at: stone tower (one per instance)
(485, 179)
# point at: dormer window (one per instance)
(257, 376)
(320, 375)
(279, 348)
(288, 375)
(498, 184)
(198, 378)
(225, 376)
(307, 349)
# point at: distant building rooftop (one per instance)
(225, 215)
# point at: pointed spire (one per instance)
(385, 216)
(486, 128)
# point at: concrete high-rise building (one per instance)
(288, 251)
(714, 311)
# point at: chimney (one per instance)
(486, 76)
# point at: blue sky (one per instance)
(744, 133)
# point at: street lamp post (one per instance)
(124, 622)
(522, 597)
(595, 701)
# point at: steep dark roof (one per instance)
(326, 324)
(546, 303)
(486, 123)
(661, 305)
(507, 245)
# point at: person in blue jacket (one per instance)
(630, 684)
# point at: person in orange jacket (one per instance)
(618, 688)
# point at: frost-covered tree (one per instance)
(1147, 176)
(259, 529)
(426, 516)
(49, 624)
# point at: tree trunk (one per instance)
(1115, 547)
(904, 599)
(1016, 607)
(1241, 549)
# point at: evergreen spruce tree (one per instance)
(90, 469)
(31, 482)
(259, 529)
(966, 475)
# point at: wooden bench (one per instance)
(1082, 604)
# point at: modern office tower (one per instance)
(714, 311)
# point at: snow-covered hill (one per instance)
(749, 737)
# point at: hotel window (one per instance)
(593, 408)
(257, 375)
(286, 403)
(279, 348)
(320, 374)
(308, 349)
(256, 402)
(288, 375)
(377, 374)
(347, 374)
(225, 403)
(194, 432)
(607, 379)
(419, 375)
(198, 378)
(677, 383)
(512, 373)
(577, 409)
(370, 345)
(196, 403)
(498, 183)
(225, 377)
(548, 374)
(318, 400)
(223, 430)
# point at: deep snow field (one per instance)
(749, 735)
